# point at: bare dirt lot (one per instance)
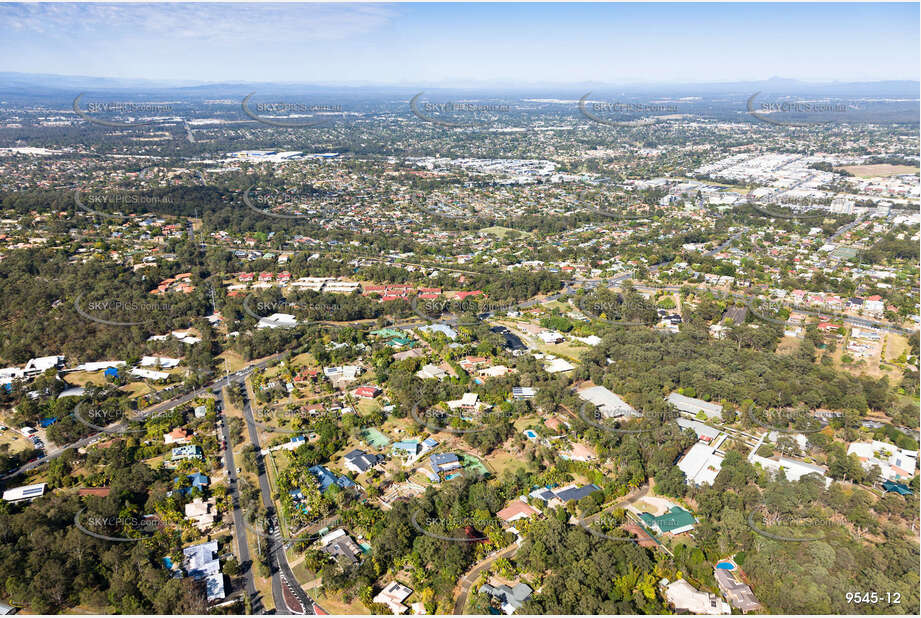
(879, 170)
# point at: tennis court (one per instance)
(374, 438)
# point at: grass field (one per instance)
(16, 442)
(337, 606)
(501, 462)
(233, 359)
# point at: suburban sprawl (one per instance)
(534, 358)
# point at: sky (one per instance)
(459, 44)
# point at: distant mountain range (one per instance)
(39, 85)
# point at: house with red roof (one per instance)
(516, 509)
(463, 295)
(367, 392)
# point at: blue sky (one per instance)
(443, 44)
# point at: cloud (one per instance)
(217, 24)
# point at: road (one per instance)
(634, 495)
(160, 408)
(285, 589)
(243, 555)
(467, 580)
(506, 552)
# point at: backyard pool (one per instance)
(726, 566)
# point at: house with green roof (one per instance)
(400, 342)
(675, 521)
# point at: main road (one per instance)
(119, 427)
(285, 589)
(246, 562)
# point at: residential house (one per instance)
(359, 461)
(179, 435)
(516, 509)
(701, 464)
(24, 493)
(685, 597)
(510, 598)
(431, 372)
(201, 512)
(326, 479)
(339, 544)
(188, 451)
(609, 404)
(675, 521)
(367, 392)
(557, 497)
(523, 392)
(695, 406)
(202, 563)
(894, 463)
(393, 596)
(444, 462)
(738, 593)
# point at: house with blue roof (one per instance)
(327, 479)
(558, 497)
(199, 482)
(444, 329)
(899, 488)
(442, 462)
(409, 448)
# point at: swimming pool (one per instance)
(726, 566)
(531, 434)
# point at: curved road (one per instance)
(467, 580)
